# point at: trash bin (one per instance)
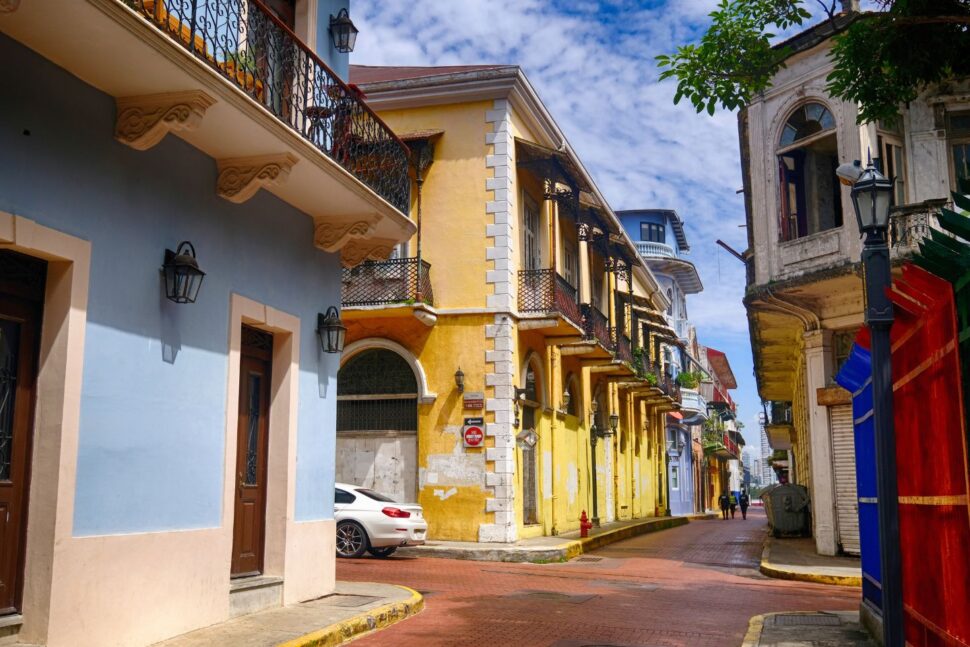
(787, 508)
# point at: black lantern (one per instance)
(566, 397)
(872, 196)
(183, 278)
(614, 422)
(460, 380)
(331, 331)
(343, 32)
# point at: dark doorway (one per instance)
(252, 441)
(22, 280)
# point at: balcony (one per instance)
(232, 82)
(545, 292)
(597, 328)
(621, 345)
(910, 224)
(648, 249)
(241, 40)
(717, 443)
(393, 282)
(692, 402)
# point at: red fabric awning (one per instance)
(676, 414)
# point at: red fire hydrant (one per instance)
(584, 525)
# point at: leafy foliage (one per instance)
(688, 379)
(880, 61)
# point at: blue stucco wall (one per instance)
(152, 427)
(339, 62)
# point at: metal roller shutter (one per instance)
(843, 457)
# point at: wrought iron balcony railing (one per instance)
(597, 327)
(244, 42)
(396, 281)
(621, 345)
(544, 291)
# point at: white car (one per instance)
(369, 521)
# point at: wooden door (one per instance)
(19, 328)
(249, 526)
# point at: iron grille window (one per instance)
(377, 391)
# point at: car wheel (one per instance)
(387, 551)
(351, 539)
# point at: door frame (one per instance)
(53, 461)
(279, 558)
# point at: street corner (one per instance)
(805, 629)
(366, 622)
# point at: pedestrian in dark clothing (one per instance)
(723, 502)
(733, 501)
(744, 502)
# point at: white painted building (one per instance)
(804, 293)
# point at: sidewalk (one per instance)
(560, 548)
(796, 559)
(808, 629)
(354, 609)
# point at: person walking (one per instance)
(734, 504)
(723, 502)
(744, 502)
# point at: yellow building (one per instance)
(519, 308)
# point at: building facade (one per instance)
(662, 244)
(517, 309)
(722, 443)
(173, 459)
(804, 294)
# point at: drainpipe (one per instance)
(555, 396)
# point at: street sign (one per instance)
(473, 433)
(473, 400)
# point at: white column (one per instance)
(585, 293)
(818, 366)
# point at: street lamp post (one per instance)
(871, 197)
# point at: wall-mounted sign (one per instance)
(473, 399)
(473, 433)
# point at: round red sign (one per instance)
(474, 436)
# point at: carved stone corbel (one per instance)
(9, 6)
(241, 177)
(144, 120)
(357, 251)
(331, 236)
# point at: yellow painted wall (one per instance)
(454, 197)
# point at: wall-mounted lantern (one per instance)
(183, 278)
(614, 422)
(343, 32)
(566, 397)
(460, 380)
(331, 331)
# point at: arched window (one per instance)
(377, 391)
(670, 298)
(808, 154)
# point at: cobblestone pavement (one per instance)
(695, 585)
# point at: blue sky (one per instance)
(593, 66)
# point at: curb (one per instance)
(565, 551)
(373, 620)
(778, 572)
(755, 625)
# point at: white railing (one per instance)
(646, 248)
(692, 402)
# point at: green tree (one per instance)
(881, 59)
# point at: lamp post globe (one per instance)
(872, 196)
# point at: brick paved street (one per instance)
(696, 585)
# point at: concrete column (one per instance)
(818, 366)
(585, 291)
